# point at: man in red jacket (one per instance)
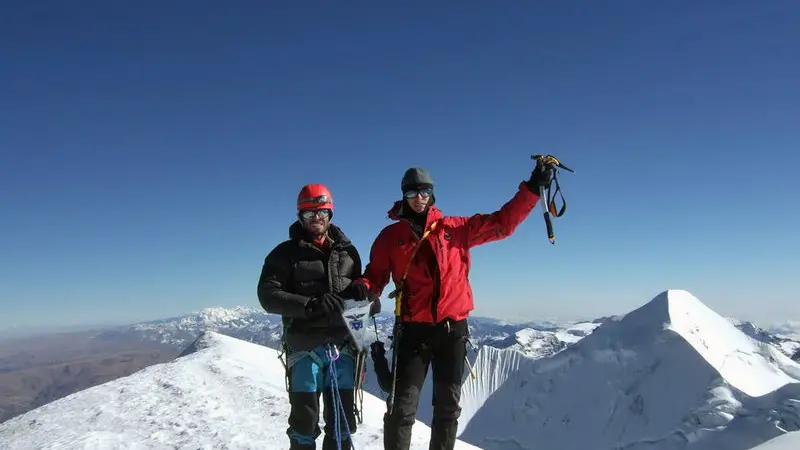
(432, 250)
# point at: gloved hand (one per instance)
(377, 350)
(381, 366)
(357, 290)
(540, 176)
(325, 305)
(375, 304)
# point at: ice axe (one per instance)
(550, 162)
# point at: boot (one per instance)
(329, 443)
(294, 445)
(443, 434)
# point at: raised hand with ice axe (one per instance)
(544, 175)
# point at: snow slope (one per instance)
(788, 441)
(224, 394)
(671, 374)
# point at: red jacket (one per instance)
(449, 243)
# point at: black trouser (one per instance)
(304, 418)
(307, 379)
(443, 347)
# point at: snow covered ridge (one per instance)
(671, 374)
(224, 394)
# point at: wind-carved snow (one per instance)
(223, 393)
(672, 374)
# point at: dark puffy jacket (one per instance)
(438, 286)
(296, 271)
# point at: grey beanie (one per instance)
(414, 177)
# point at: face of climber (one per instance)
(316, 221)
(418, 198)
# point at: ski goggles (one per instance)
(308, 214)
(424, 192)
(319, 200)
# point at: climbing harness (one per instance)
(550, 162)
(339, 412)
(354, 317)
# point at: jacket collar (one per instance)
(397, 212)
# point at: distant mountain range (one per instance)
(534, 339)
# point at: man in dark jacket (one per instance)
(306, 279)
(427, 256)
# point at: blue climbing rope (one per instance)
(338, 407)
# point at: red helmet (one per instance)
(314, 196)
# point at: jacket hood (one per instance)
(298, 234)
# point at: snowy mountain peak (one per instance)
(227, 393)
(671, 374)
(742, 361)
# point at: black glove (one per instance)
(381, 366)
(375, 304)
(540, 176)
(377, 350)
(325, 305)
(357, 290)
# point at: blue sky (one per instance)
(150, 155)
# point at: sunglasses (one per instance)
(307, 214)
(427, 192)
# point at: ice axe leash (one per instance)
(550, 162)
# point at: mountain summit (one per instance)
(671, 374)
(223, 393)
